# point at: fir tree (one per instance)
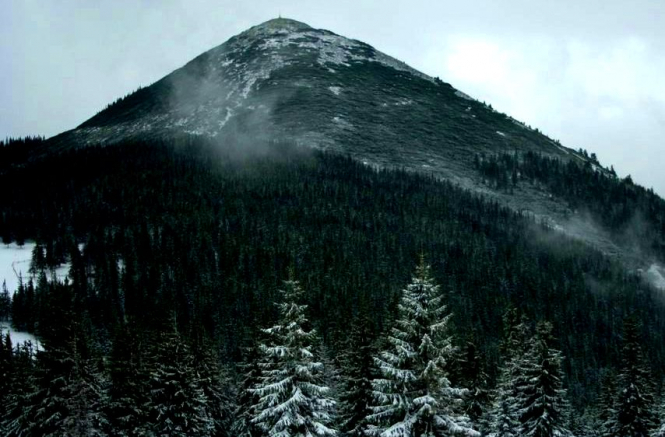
(414, 396)
(474, 377)
(247, 399)
(177, 404)
(68, 386)
(5, 303)
(292, 401)
(543, 413)
(128, 392)
(633, 414)
(510, 393)
(356, 394)
(14, 416)
(218, 388)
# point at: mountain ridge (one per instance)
(285, 80)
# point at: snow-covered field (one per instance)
(19, 337)
(15, 264)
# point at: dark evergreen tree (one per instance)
(177, 405)
(543, 413)
(218, 388)
(511, 390)
(475, 379)
(128, 398)
(633, 412)
(20, 381)
(247, 399)
(5, 303)
(358, 370)
(68, 394)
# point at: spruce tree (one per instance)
(218, 388)
(247, 400)
(543, 412)
(177, 404)
(356, 394)
(510, 392)
(68, 390)
(292, 402)
(15, 417)
(633, 414)
(414, 396)
(475, 379)
(126, 408)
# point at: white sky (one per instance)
(590, 73)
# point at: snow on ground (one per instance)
(656, 275)
(501, 133)
(19, 337)
(15, 264)
(229, 114)
(335, 90)
(333, 49)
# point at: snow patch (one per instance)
(500, 133)
(19, 338)
(335, 90)
(15, 265)
(333, 49)
(229, 114)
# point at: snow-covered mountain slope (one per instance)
(286, 80)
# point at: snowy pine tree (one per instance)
(247, 400)
(68, 391)
(15, 412)
(633, 414)
(510, 393)
(218, 388)
(292, 401)
(177, 404)
(414, 396)
(543, 413)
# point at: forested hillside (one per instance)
(179, 250)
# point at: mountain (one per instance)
(286, 80)
(294, 153)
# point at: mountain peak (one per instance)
(280, 24)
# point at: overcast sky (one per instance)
(589, 73)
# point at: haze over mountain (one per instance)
(284, 80)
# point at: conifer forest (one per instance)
(294, 292)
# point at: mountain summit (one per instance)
(284, 80)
